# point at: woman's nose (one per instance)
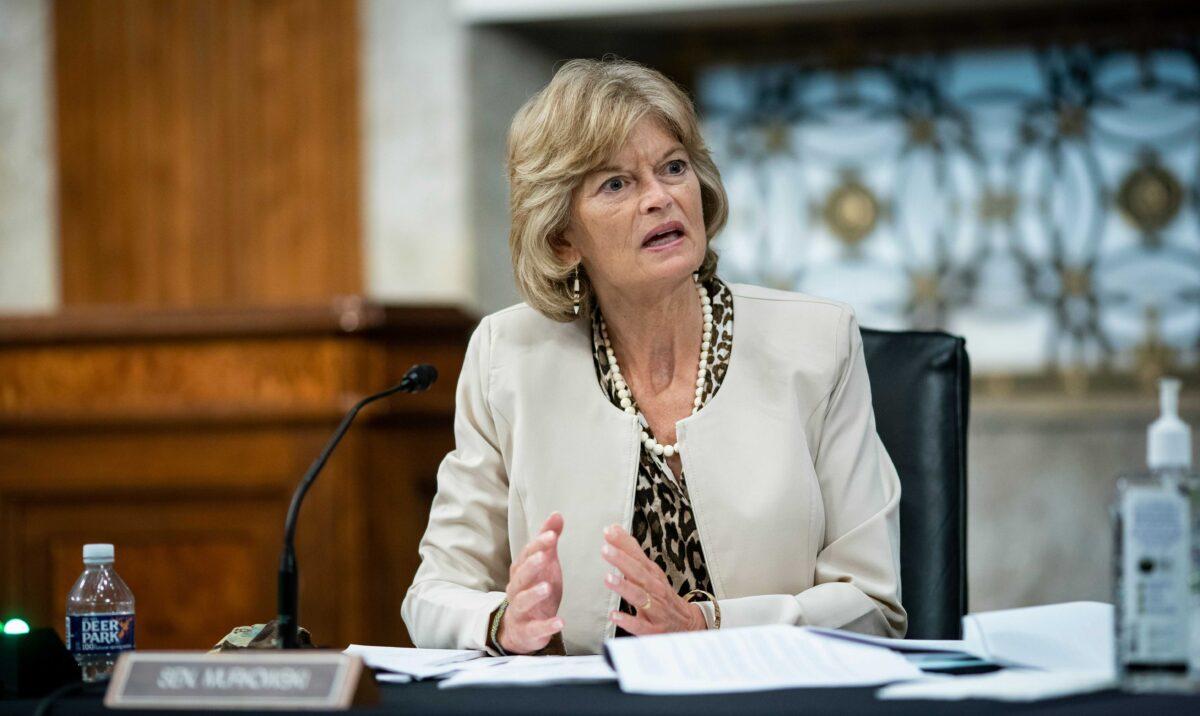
(654, 196)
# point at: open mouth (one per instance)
(663, 235)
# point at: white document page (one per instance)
(1075, 636)
(901, 645)
(442, 671)
(1006, 685)
(536, 671)
(388, 677)
(750, 659)
(417, 663)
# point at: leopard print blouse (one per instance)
(662, 512)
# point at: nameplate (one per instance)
(239, 680)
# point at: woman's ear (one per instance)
(565, 251)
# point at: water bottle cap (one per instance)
(97, 553)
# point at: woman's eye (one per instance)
(676, 166)
(613, 184)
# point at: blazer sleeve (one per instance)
(465, 550)
(857, 580)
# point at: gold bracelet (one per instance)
(494, 632)
(712, 600)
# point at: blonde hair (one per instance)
(567, 130)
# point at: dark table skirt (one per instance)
(426, 698)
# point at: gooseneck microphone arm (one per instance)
(417, 379)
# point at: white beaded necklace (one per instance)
(626, 397)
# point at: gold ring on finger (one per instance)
(646, 607)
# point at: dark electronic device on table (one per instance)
(34, 663)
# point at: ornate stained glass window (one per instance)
(1042, 202)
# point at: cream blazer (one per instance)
(795, 499)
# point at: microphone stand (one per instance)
(418, 378)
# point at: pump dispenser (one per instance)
(1169, 439)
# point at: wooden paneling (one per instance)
(208, 151)
(182, 447)
(190, 581)
(403, 465)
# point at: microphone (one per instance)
(417, 379)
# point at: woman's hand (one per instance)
(644, 586)
(534, 593)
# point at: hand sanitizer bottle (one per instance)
(1154, 558)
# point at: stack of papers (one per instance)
(463, 667)
(1075, 636)
(403, 664)
(1052, 651)
(1055, 650)
(535, 671)
(750, 659)
(931, 655)
(900, 645)
(1007, 685)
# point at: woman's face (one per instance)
(638, 223)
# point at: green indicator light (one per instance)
(16, 626)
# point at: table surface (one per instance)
(426, 698)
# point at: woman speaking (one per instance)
(640, 447)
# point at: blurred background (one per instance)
(222, 221)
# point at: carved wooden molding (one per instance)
(349, 315)
(301, 364)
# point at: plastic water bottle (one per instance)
(99, 614)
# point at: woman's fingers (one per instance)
(633, 569)
(634, 625)
(634, 595)
(544, 628)
(529, 636)
(533, 578)
(551, 531)
(553, 523)
(524, 636)
(528, 572)
(546, 539)
(546, 543)
(644, 586)
(618, 537)
(625, 542)
(529, 598)
(552, 543)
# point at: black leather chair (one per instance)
(920, 388)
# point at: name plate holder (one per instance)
(294, 680)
